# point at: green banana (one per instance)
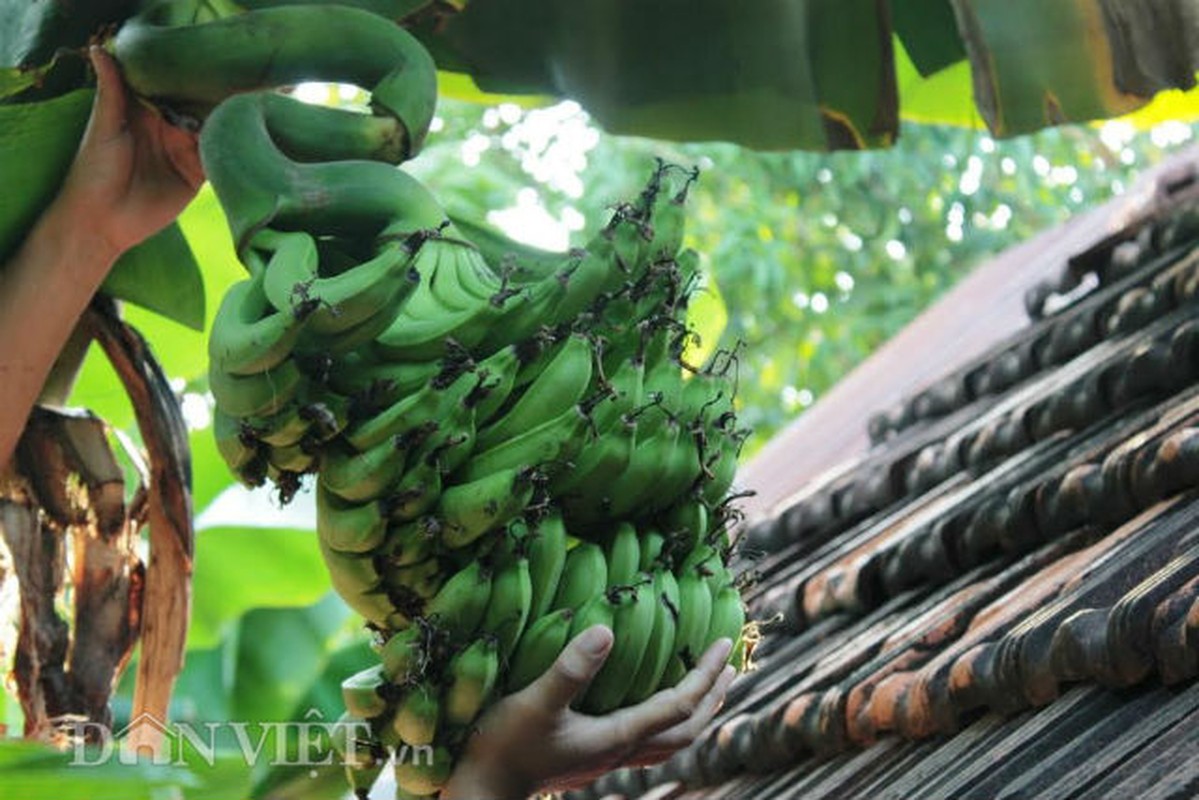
(416, 410)
(550, 447)
(662, 638)
(728, 619)
(695, 614)
(248, 336)
(546, 551)
(556, 390)
(260, 394)
(355, 578)
(632, 624)
(539, 646)
(421, 776)
(374, 384)
(339, 302)
(584, 576)
(417, 491)
(359, 477)
(404, 655)
(623, 554)
(422, 580)
(235, 440)
(348, 527)
(686, 525)
(508, 606)
(472, 674)
(597, 610)
(408, 543)
(360, 692)
(652, 543)
(584, 492)
(460, 604)
(296, 458)
(159, 61)
(417, 714)
(469, 510)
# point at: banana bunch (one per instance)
(508, 445)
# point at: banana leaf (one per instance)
(1037, 64)
(779, 74)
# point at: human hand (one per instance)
(133, 173)
(532, 740)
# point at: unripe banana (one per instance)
(408, 543)
(652, 543)
(559, 386)
(248, 336)
(546, 550)
(423, 580)
(360, 692)
(539, 646)
(584, 576)
(685, 525)
(235, 441)
(296, 458)
(509, 604)
(661, 646)
(358, 477)
(623, 554)
(598, 610)
(728, 619)
(550, 447)
(417, 491)
(459, 606)
(472, 677)
(403, 655)
(632, 624)
(421, 777)
(257, 395)
(348, 527)
(469, 510)
(355, 578)
(376, 385)
(695, 614)
(417, 715)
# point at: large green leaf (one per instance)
(161, 275)
(929, 32)
(1037, 64)
(37, 142)
(239, 569)
(771, 76)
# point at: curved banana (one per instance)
(360, 692)
(348, 527)
(584, 576)
(257, 395)
(357, 477)
(539, 646)
(404, 655)
(560, 385)
(417, 714)
(546, 551)
(459, 606)
(469, 510)
(728, 619)
(472, 675)
(549, 447)
(632, 624)
(420, 776)
(662, 638)
(248, 336)
(623, 554)
(509, 605)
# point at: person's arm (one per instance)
(532, 740)
(133, 174)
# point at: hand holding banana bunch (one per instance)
(510, 452)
